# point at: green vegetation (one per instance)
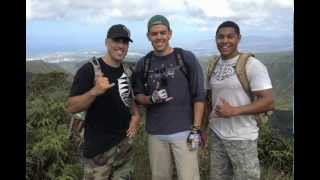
(275, 151)
(39, 66)
(50, 155)
(275, 154)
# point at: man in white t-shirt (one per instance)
(233, 128)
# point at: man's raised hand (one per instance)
(102, 84)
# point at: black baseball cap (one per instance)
(119, 31)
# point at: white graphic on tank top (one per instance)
(124, 89)
(223, 71)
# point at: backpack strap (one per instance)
(96, 66)
(211, 66)
(127, 69)
(242, 73)
(78, 119)
(180, 61)
(146, 68)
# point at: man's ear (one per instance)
(170, 34)
(105, 41)
(148, 36)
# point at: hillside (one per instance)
(51, 155)
(40, 66)
(280, 66)
(72, 66)
(281, 71)
(28, 76)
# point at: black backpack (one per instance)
(178, 52)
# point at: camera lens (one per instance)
(164, 81)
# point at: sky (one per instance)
(81, 25)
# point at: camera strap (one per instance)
(178, 52)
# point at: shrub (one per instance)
(275, 150)
(49, 154)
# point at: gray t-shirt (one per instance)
(177, 114)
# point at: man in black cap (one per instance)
(112, 117)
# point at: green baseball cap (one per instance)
(158, 19)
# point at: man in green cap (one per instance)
(169, 83)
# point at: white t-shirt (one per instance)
(224, 83)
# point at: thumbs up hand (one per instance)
(225, 110)
(159, 95)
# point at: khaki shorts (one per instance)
(161, 161)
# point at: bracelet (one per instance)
(196, 127)
(150, 99)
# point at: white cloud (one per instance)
(252, 13)
(199, 21)
(131, 9)
(211, 8)
(48, 10)
(271, 17)
(204, 29)
(200, 12)
(283, 3)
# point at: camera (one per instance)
(164, 74)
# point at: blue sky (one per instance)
(81, 25)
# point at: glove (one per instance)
(194, 139)
(159, 96)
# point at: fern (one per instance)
(49, 154)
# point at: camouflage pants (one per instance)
(114, 164)
(233, 159)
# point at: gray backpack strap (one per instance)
(127, 70)
(146, 68)
(76, 126)
(96, 66)
(180, 61)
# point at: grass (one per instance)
(268, 173)
(142, 167)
